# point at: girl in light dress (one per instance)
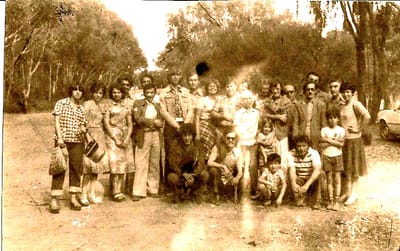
(94, 112)
(118, 127)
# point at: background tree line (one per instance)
(247, 40)
(51, 43)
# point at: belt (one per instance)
(149, 129)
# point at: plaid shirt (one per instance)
(70, 120)
(227, 104)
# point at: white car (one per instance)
(389, 123)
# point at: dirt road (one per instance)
(371, 224)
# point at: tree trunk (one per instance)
(361, 70)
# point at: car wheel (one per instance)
(384, 130)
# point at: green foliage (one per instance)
(50, 44)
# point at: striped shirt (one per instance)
(71, 119)
(304, 166)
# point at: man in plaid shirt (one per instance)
(70, 124)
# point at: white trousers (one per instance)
(147, 162)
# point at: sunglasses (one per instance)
(230, 138)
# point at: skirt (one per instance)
(355, 164)
(207, 137)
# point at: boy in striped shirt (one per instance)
(304, 164)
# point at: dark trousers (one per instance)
(170, 135)
(75, 157)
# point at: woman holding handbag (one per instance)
(70, 123)
(354, 118)
(94, 112)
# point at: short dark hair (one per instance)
(347, 86)
(125, 77)
(74, 87)
(147, 76)
(148, 87)
(334, 112)
(187, 128)
(273, 157)
(302, 138)
(117, 86)
(96, 86)
(308, 83)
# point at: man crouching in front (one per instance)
(188, 175)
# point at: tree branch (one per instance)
(352, 29)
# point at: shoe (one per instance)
(335, 206)
(267, 203)
(353, 197)
(93, 199)
(316, 206)
(216, 200)
(153, 195)
(74, 203)
(137, 198)
(197, 198)
(176, 198)
(299, 198)
(330, 205)
(255, 196)
(83, 200)
(118, 197)
(54, 207)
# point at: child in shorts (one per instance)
(272, 182)
(267, 142)
(332, 139)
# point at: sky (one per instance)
(149, 20)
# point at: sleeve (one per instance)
(316, 159)
(282, 176)
(290, 160)
(263, 174)
(323, 132)
(360, 110)
(58, 108)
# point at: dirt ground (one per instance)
(156, 224)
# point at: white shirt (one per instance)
(336, 133)
(151, 112)
(246, 124)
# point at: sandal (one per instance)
(118, 197)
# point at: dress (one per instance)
(120, 159)
(354, 160)
(94, 115)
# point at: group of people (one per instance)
(201, 139)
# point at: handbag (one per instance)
(92, 149)
(367, 138)
(58, 161)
